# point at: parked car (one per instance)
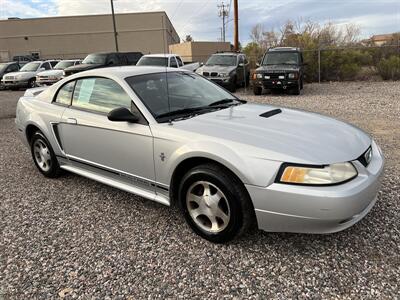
(228, 69)
(50, 77)
(26, 76)
(6, 68)
(166, 60)
(280, 68)
(102, 60)
(23, 59)
(174, 137)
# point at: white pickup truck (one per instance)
(166, 60)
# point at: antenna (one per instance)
(165, 55)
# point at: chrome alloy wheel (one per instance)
(208, 206)
(42, 155)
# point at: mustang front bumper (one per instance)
(325, 209)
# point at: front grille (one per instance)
(214, 74)
(206, 74)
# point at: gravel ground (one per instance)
(75, 238)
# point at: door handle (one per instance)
(72, 121)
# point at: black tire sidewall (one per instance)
(54, 169)
(236, 212)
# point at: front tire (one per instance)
(215, 204)
(43, 156)
(257, 90)
(32, 83)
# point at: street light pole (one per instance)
(115, 26)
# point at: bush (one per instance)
(389, 68)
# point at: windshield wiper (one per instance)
(182, 111)
(223, 101)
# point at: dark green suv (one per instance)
(280, 68)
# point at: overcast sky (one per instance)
(200, 17)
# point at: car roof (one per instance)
(9, 63)
(284, 49)
(160, 55)
(125, 71)
(227, 53)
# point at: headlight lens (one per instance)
(223, 75)
(293, 76)
(314, 175)
(259, 76)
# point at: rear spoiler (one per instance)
(34, 91)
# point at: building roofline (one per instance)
(84, 16)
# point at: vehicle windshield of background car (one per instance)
(30, 67)
(182, 94)
(63, 65)
(281, 58)
(153, 61)
(95, 59)
(221, 60)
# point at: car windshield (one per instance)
(63, 65)
(153, 61)
(96, 59)
(281, 58)
(30, 67)
(3, 67)
(221, 60)
(174, 95)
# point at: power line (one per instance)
(176, 9)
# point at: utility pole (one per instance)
(115, 26)
(236, 20)
(223, 13)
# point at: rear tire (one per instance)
(215, 204)
(43, 156)
(232, 85)
(257, 90)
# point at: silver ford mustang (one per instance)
(176, 138)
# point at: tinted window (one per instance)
(275, 58)
(64, 95)
(241, 59)
(53, 63)
(100, 94)
(13, 68)
(172, 62)
(185, 90)
(180, 63)
(46, 66)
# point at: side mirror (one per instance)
(201, 64)
(257, 64)
(122, 114)
(241, 65)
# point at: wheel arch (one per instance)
(188, 163)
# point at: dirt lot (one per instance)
(75, 237)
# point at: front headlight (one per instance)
(293, 75)
(223, 75)
(259, 76)
(316, 175)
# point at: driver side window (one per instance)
(100, 95)
(173, 63)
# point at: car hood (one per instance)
(83, 67)
(22, 74)
(51, 73)
(290, 136)
(281, 68)
(216, 68)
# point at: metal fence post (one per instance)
(319, 65)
